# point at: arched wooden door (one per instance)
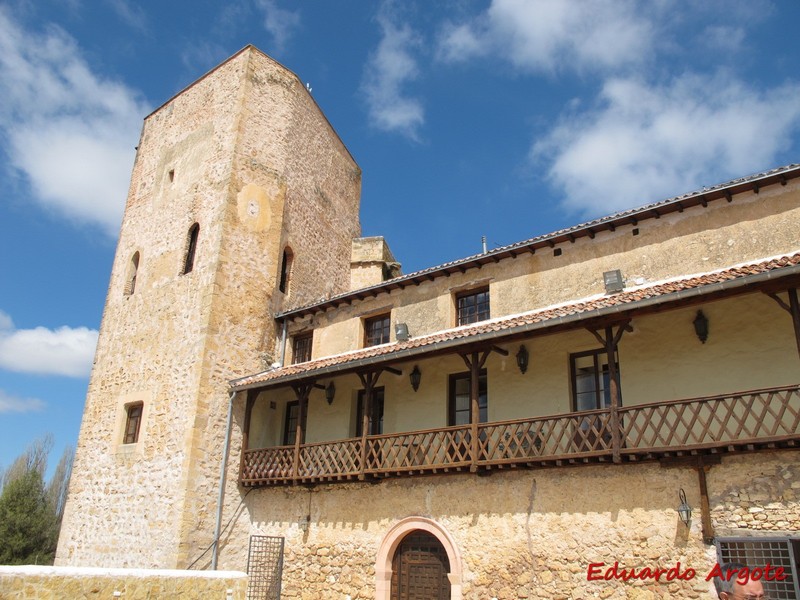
(419, 569)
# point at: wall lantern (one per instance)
(701, 326)
(522, 359)
(330, 392)
(684, 510)
(415, 376)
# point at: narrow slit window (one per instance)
(286, 270)
(133, 421)
(133, 270)
(188, 264)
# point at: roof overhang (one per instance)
(771, 275)
(724, 191)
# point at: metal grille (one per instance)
(265, 567)
(757, 552)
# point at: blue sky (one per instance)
(503, 118)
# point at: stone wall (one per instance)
(698, 240)
(528, 533)
(55, 583)
(245, 153)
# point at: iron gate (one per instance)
(264, 567)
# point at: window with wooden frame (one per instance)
(191, 248)
(290, 422)
(376, 415)
(133, 422)
(591, 380)
(301, 347)
(459, 405)
(472, 306)
(376, 330)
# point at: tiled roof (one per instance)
(545, 317)
(589, 228)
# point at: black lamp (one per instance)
(701, 326)
(330, 392)
(415, 376)
(522, 359)
(684, 510)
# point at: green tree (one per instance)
(30, 512)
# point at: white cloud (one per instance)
(70, 131)
(132, 14)
(644, 142)
(553, 35)
(390, 67)
(279, 23)
(63, 351)
(10, 404)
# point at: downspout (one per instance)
(221, 496)
(283, 342)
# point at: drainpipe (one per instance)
(283, 342)
(221, 496)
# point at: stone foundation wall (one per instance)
(45, 583)
(528, 533)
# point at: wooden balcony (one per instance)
(747, 421)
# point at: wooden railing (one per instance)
(744, 421)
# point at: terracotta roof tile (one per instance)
(535, 316)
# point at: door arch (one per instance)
(433, 542)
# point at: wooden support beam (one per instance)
(610, 340)
(393, 371)
(301, 390)
(702, 464)
(793, 308)
(248, 411)
(368, 380)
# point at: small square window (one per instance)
(472, 306)
(301, 348)
(133, 421)
(376, 330)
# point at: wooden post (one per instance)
(474, 363)
(368, 380)
(251, 399)
(301, 391)
(613, 384)
(610, 341)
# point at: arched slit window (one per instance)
(188, 264)
(286, 270)
(133, 270)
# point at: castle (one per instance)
(486, 428)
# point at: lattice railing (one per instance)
(434, 449)
(562, 436)
(267, 464)
(770, 414)
(728, 421)
(339, 459)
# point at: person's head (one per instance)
(730, 586)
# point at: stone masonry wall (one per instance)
(55, 583)
(527, 534)
(223, 154)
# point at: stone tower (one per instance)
(243, 202)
